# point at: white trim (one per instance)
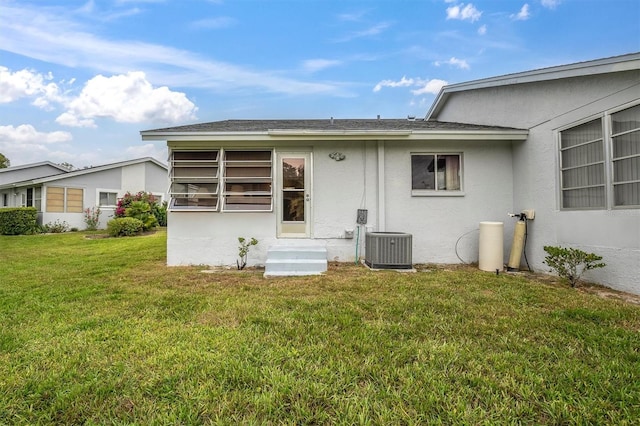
(307, 155)
(382, 220)
(110, 191)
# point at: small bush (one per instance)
(124, 227)
(18, 220)
(56, 227)
(92, 218)
(141, 210)
(243, 251)
(160, 212)
(570, 263)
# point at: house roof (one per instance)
(31, 165)
(321, 128)
(83, 172)
(620, 63)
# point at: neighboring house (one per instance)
(30, 171)
(63, 195)
(528, 146)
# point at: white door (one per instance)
(294, 194)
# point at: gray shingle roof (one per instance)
(325, 125)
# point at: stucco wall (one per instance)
(543, 108)
(340, 188)
(437, 222)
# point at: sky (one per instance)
(80, 79)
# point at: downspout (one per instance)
(381, 184)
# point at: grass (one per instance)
(99, 331)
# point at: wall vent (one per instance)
(388, 250)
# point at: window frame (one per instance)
(191, 182)
(604, 162)
(221, 179)
(65, 199)
(438, 192)
(101, 191)
(606, 122)
(609, 129)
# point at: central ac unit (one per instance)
(388, 250)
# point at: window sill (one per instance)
(421, 193)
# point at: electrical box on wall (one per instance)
(361, 219)
(529, 214)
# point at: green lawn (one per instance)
(99, 331)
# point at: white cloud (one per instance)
(464, 13)
(368, 32)
(430, 87)
(459, 63)
(36, 33)
(403, 82)
(213, 23)
(424, 86)
(26, 84)
(523, 15)
(313, 65)
(159, 152)
(24, 144)
(27, 134)
(482, 30)
(126, 98)
(550, 4)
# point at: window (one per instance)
(227, 180)
(600, 162)
(107, 198)
(55, 200)
(625, 140)
(247, 180)
(194, 180)
(61, 200)
(433, 173)
(582, 166)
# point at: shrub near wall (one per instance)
(18, 220)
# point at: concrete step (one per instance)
(295, 261)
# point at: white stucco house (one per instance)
(485, 149)
(62, 195)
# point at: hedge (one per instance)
(18, 220)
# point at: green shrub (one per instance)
(160, 212)
(124, 227)
(18, 220)
(243, 251)
(56, 227)
(141, 210)
(570, 263)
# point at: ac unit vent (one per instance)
(388, 250)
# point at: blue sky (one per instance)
(80, 79)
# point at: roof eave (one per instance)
(287, 134)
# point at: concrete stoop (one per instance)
(295, 261)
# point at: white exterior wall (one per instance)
(89, 183)
(543, 108)
(437, 222)
(340, 188)
(133, 178)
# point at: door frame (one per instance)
(281, 231)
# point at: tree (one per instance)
(4, 162)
